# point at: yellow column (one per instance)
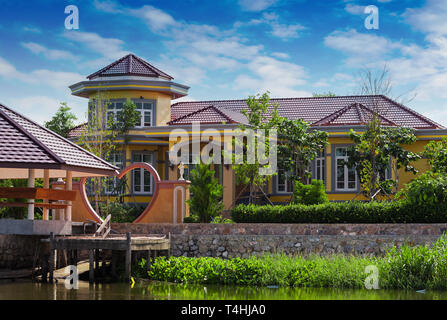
(229, 184)
(328, 168)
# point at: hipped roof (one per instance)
(25, 145)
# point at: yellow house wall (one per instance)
(163, 101)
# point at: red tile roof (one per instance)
(210, 114)
(315, 109)
(77, 131)
(130, 65)
(24, 142)
(354, 114)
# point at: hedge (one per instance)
(342, 212)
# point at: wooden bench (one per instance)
(36, 193)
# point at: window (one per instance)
(283, 183)
(346, 178)
(142, 179)
(112, 185)
(320, 166)
(146, 110)
(114, 110)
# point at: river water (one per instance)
(154, 290)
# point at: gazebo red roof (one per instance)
(25, 144)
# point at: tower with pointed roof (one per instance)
(133, 78)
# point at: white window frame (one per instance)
(320, 166)
(141, 173)
(143, 112)
(116, 159)
(345, 172)
(286, 184)
(112, 109)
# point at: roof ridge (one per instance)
(55, 134)
(415, 113)
(190, 114)
(151, 66)
(290, 98)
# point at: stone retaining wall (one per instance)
(19, 251)
(242, 240)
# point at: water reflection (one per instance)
(154, 290)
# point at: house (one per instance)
(154, 93)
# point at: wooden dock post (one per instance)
(91, 266)
(128, 256)
(113, 263)
(96, 260)
(51, 258)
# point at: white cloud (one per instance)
(48, 53)
(431, 18)
(156, 19)
(32, 29)
(281, 55)
(280, 30)
(54, 79)
(107, 6)
(355, 9)
(28, 106)
(361, 48)
(110, 48)
(256, 5)
(282, 79)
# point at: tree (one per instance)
(99, 137)
(378, 149)
(63, 121)
(126, 120)
(298, 147)
(324, 94)
(259, 117)
(436, 153)
(379, 146)
(206, 202)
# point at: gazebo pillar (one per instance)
(68, 187)
(46, 185)
(31, 178)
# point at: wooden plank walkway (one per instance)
(126, 244)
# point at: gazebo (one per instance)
(29, 151)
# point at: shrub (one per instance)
(313, 193)
(121, 212)
(206, 193)
(407, 267)
(342, 212)
(427, 190)
(436, 153)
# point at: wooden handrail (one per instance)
(104, 226)
(36, 204)
(37, 193)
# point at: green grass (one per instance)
(419, 267)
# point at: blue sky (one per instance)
(226, 49)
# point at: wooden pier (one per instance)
(117, 244)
